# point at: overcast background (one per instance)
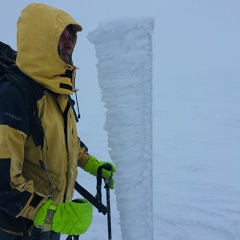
(196, 53)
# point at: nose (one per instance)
(68, 44)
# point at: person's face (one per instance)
(65, 45)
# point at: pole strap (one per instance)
(101, 208)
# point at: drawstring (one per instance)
(71, 104)
(79, 116)
(42, 164)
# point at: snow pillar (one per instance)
(124, 53)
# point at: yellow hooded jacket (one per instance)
(24, 184)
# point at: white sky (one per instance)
(190, 37)
(194, 40)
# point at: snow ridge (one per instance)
(124, 52)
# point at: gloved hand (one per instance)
(93, 164)
(72, 217)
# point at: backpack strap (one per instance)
(30, 101)
(20, 81)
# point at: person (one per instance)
(37, 183)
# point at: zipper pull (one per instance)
(42, 164)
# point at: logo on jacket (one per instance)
(12, 116)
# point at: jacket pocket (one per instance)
(49, 186)
(45, 183)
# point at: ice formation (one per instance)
(124, 53)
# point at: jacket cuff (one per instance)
(84, 158)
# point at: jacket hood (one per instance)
(38, 31)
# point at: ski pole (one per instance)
(108, 209)
(99, 195)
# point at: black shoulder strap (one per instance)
(20, 81)
(29, 98)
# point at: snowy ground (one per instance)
(195, 162)
(195, 159)
(196, 117)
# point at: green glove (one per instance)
(92, 166)
(72, 217)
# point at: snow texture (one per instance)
(124, 53)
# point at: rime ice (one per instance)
(124, 52)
